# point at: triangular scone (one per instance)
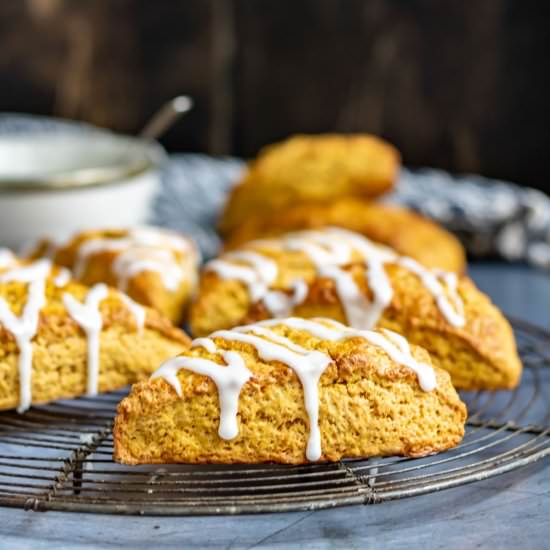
(312, 168)
(290, 391)
(407, 232)
(154, 266)
(61, 339)
(338, 274)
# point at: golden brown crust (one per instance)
(56, 323)
(145, 287)
(368, 406)
(480, 355)
(407, 232)
(60, 346)
(312, 168)
(60, 366)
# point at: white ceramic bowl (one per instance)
(53, 184)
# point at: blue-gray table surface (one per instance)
(509, 511)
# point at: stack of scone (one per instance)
(308, 182)
(332, 326)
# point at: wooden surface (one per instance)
(509, 511)
(458, 85)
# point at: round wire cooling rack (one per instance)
(58, 457)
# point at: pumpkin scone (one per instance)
(335, 273)
(61, 339)
(312, 168)
(290, 391)
(155, 266)
(407, 232)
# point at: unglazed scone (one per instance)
(407, 232)
(61, 339)
(335, 273)
(155, 266)
(312, 168)
(291, 391)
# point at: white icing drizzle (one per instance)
(247, 275)
(136, 310)
(139, 259)
(88, 316)
(92, 247)
(329, 249)
(24, 328)
(265, 268)
(308, 365)
(156, 236)
(395, 345)
(62, 278)
(313, 327)
(455, 317)
(273, 336)
(398, 350)
(363, 245)
(281, 304)
(205, 343)
(143, 249)
(451, 282)
(358, 309)
(322, 247)
(392, 343)
(229, 380)
(375, 256)
(257, 276)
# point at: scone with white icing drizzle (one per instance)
(155, 266)
(342, 275)
(311, 168)
(290, 391)
(407, 232)
(61, 339)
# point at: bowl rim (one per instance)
(151, 157)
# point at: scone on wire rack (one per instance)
(311, 168)
(405, 231)
(290, 391)
(339, 274)
(157, 267)
(61, 339)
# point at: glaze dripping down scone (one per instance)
(155, 266)
(407, 232)
(290, 391)
(311, 168)
(61, 339)
(335, 273)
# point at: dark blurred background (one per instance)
(461, 85)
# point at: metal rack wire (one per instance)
(58, 457)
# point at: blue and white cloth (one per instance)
(492, 218)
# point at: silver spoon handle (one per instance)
(166, 116)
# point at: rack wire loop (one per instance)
(58, 457)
